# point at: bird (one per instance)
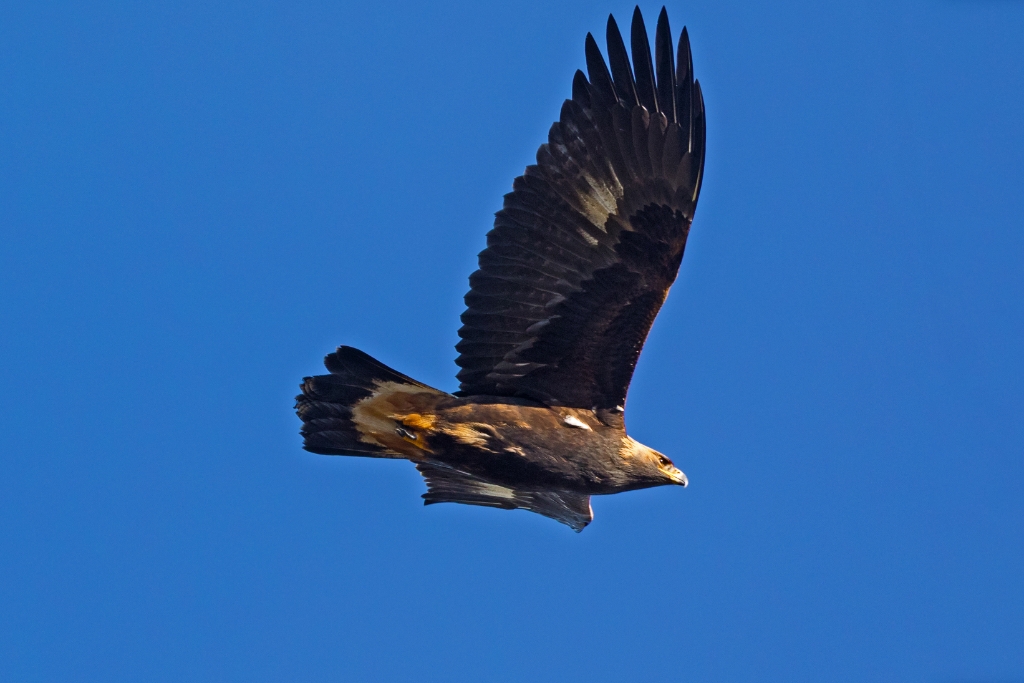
(579, 262)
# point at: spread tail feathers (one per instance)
(326, 404)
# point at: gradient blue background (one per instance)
(199, 200)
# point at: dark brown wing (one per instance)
(589, 241)
(448, 485)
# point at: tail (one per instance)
(350, 411)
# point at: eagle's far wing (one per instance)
(583, 253)
(448, 485)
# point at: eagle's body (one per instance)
(514, 443)
(577, 266)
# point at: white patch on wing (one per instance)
(497, 491)
(605, 196)
(573, 421)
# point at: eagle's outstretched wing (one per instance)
(446, 484)
(589, 241)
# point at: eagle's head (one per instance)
(647, 467)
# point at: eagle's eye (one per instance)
(663, 461)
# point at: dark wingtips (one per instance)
(643, 68)
(580, 89)
(699, 137)
(684, 67)
(600, 79)
(684, 48)
(698, 101)
(660, 82)
(611, 32)
(618, 58)
(591, 50)
(664, 61)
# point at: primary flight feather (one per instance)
(577, 266)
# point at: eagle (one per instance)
(580, 260)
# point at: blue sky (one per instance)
(200, 200)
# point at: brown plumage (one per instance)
(578, 264)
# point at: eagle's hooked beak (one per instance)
(676, 475)
(665, 466)
(671, 472)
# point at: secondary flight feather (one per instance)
(577, 266)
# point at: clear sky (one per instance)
(199, 200)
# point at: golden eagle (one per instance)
(578, 264)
